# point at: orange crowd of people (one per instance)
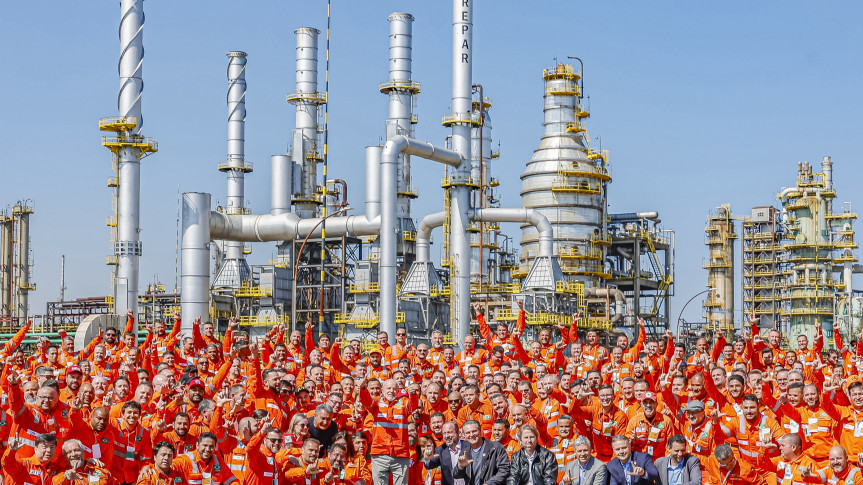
(208, 409)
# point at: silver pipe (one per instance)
(528, 216)
(236, 144)
(22, 303)
(6, 250)
(389, 225)
(373, 181)
(305, 134)
(280, 184)
(128, 245)
(200, 225)
(195, 259)
(400, 88)
(462, 43)
(236, 165)
(286, 227)
(619, 300)
(424, 232)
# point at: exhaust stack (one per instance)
(234, 268)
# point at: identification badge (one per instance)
(92, 479)
(765, 435)
(793, 427)
(654, 435)
(130, 453)
(858, 429)
(606, 428)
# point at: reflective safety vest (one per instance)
(213, 473)
(564, 452)
(390, 428)
(237, 460)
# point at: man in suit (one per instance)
(585, 470)
(447, 455)
(678, 467)
(484, 462)
(630, 467)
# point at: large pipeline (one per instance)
(389, 225)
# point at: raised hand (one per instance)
(753, 320)
(477, 307)
(520, 304)
(637, 471)
(463, 462)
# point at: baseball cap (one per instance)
(73, 368)
(694, 406)
(375, 349)
(649, 396)
(196, 382)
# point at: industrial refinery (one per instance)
(797, 261)
(355, 270)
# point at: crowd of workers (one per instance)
(286, 409)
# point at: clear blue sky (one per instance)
(700, 103)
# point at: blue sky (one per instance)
(699, 103)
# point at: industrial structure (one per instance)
(355, 274)
(362, 273)
(797, 262)
(720, 237)
(15, 265)
(128, 147)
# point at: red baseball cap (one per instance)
(74, 368)
(196, 382)
(649, 395)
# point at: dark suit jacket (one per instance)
(544, 468)
(493, 468)
(445, 463)
(691, 474)
(617, 475)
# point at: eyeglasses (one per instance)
(273, 440)
(400, 334)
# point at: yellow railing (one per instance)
(268, 320)
(371, 287)
(118, 123)
(561, 71)
(410, 86)
(246, 290)
(453, 118)
(311, 96)
(576, 187)
(409, 236)
(452, 181)
(236, 165)
(575, 127)
(369, 320)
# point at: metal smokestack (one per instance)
(401, 90)
(460, 121)
(304, 139)
(234, 269)
(128, 149)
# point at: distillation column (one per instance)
(719, 304)
(484, 239)
(304, 139)
(22, 261)
(128, 148)
(460, 181)
(401, 88)
(807, 218)
(7, 230)
(234, 268)
(567, 183)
